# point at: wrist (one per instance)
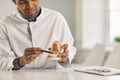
(21, 62)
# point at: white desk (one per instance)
(35, 75)
(67, 74)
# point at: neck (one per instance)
(31, 19)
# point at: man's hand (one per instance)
(30, 54)
(64, 55)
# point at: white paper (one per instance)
(98, 70)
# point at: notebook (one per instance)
(98, 70)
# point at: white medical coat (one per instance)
(16, 34)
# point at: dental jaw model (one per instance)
(57, 50)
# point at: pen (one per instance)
(46, 51)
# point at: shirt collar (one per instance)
(33, 20)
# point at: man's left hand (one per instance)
(64, 55)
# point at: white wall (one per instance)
(93, 24)
(78, 24)
(6, 7)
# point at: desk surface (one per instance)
(48, 74)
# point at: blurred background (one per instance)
(92, 22)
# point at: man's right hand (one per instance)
(30, 54)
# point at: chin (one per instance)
(31, 17)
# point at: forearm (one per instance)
(6, 63)
(16, 64)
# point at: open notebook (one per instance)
(97, 70)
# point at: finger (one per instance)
(50, 49)
(30, 58)
(33, 57)
(36, 49)
(36, 52)
(32, 49)
(64, 55)
(27, 57)
(28, 49)
(65, 46)
(28, 61)
(32, 52)
(64, 59)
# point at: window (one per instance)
(114, 13)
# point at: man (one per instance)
(24, 33)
